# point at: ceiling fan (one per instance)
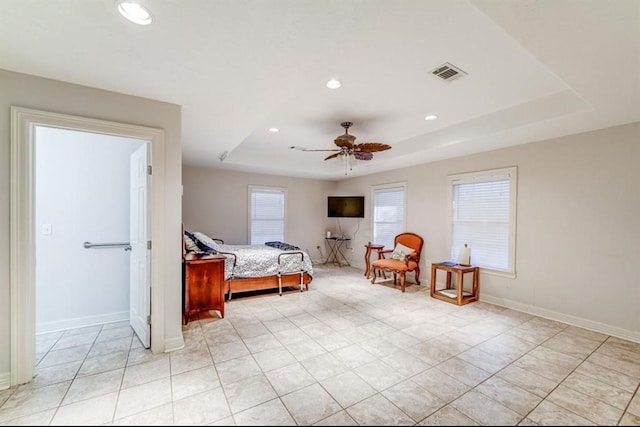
(348, 147)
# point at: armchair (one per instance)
(404, 257)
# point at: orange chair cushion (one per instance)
(394, 265)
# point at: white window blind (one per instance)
(267, 206)
(388, 213)
(483, 217)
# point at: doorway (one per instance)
(82, 228)
(23, 133)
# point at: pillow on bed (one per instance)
(205, 242)
(400, 251)
(190, 244)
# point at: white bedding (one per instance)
(259, 260)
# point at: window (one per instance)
(266, 214)
(483, 215)
(388, 212)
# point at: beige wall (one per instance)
(578, 225)
(578, 214)
(48, 95)
(215, 202)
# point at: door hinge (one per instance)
(149, 319)
(149, 169)
(149, 244)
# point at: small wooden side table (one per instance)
(367, 256)
(458, 295)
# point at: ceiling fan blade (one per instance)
(297, 147)
(333, 156)
(370, 147)
(362, 155)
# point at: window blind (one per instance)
(267, 215)
(482, 218)
(388, 214)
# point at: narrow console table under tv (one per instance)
(335, 251)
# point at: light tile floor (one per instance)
(344, 353)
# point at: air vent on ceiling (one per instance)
(448, 72)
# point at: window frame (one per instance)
(379, 187)
(251, 188)
(488, 175)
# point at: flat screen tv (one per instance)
(345, 206)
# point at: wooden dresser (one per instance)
(202, 285)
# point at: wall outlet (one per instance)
(47, 229)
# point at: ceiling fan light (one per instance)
(431, 117)
(274, 130)
(334, 84)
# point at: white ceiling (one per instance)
(536, 69)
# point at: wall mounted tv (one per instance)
(345, 206)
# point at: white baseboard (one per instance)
(603, 328)
(5, 380)
(81, 322)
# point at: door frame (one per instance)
(22, 223)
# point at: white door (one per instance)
(140, 258)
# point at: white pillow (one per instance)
(208, 243)
(191, 246)
(400, 251)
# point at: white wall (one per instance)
(215, 202)
(82, 194)
(578, 225)
(22, 90)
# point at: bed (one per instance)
(258, 267)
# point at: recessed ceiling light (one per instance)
(134, 12)
(431, 117)
(274, 130)
(334, 84)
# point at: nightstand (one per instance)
(203, 285)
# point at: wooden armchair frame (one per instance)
(410, 262)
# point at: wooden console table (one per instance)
(458, 295)
(203, 285)
(367, 256)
